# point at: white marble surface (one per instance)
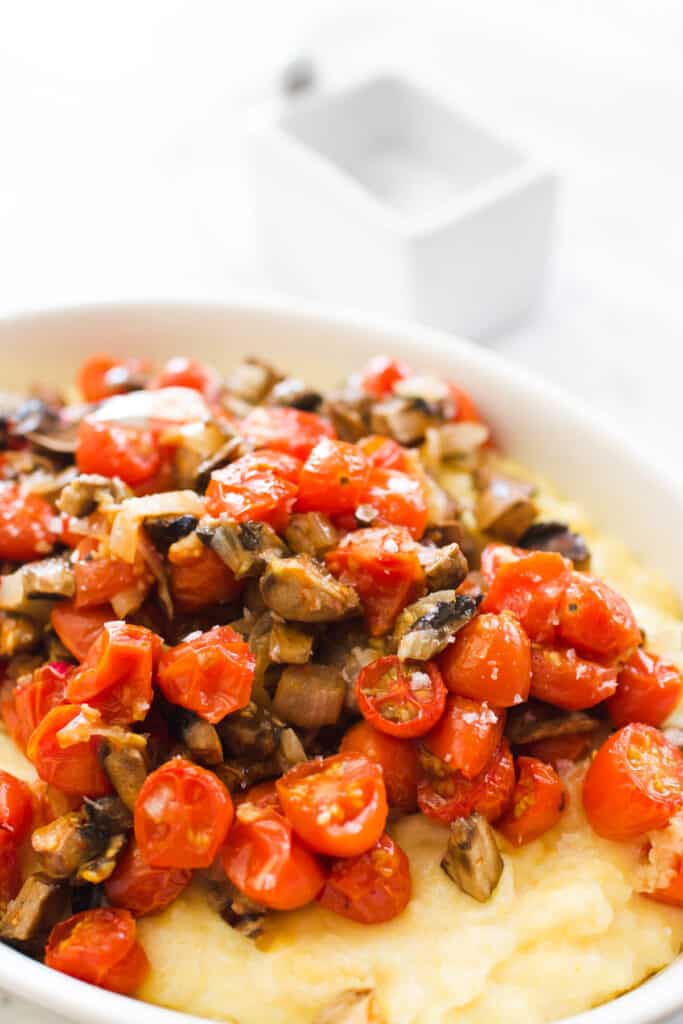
(121, 173)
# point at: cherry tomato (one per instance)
(75, 768)
(495, 555)
(205, 580)
(399, 698)
(464, 740)
(337, 804)
(465, 408)
(10, 870)
(116, 675)
(380, 375)
(398, 498)
(16, 807)
(99, 946)
(383, 566)
(489, 660)
(285, 430)
(182, 816)
(140, 888)
(648, 689)
(96, 380)
(117, 449)
(456, 797)
(255, 487)
(98, 579)
(596, 620)
(182, 372)
(384, 453)
(25, 525)
(560, 677)
(34, 697)
(333, 478)
(77, 628)
(537, 802)
(370, 888)
(671, 893)
(558, 750)
(532, 588)
(633, 784)
(397, 758)
(210, 673)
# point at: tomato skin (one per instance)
(333, 478)
(633, 784)
(210, 673)
(399, 699)
(371, 888)
(380, 374)
(255, 487)
(397, 758)
(537, 802)
(494, 556)
(116, 675)
(99, 579)
(182, 372)
(182, 816)
(456, 797)
(285, 430)
(116, 449)
(34, 698)
(648, 689)
(560, 677)
(596, 620)
(16, 808)
(532, 588)
(25, 530)
(337, 805)
(384, 453)
(73, 769)
(92, 376)
(99, 946)
(558, 750)
(672, 894)
(466, 737)
(465, 408)
(78, 628)
(140, 888)
(205, 580)
(10, 870)
(399, 499)
(489, 660)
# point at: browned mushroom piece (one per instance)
(426, 627)
(89, 491)
(164, 531)
(18, 634)
(472, 859)
(295, 394)
(199, 736)
(252, 733)
(108, 814)
(311, 533)
(349, 414)
(39, 905)
(252, 380)
(288, 645)
(52, 577)
(406, 420)
(557, 537)
(66, 844)
(353, 1006)
(310, 696)
(300, 590)
(445, 568)
(127, 770)
(244, 547)
(227, 452)
(450, 531)
(100, 868)
(504, 507)
(241, 913)
(534, 721)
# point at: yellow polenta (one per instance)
(563, 932)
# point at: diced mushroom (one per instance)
(288, 645)
(18, 634)
(557, 537)
(472, 859)
(100, 868)
(353, 1006)
(127, 770)
(349, 415)
(53, 577)
(163, 531)
(453, 441)
(300, 590)
(66, 844)
(310, 696)
(534, 721)
(350, 650)
(291, 750)
(252, 380)
(241, 913)
(87, 492)
(108, 815)
(251, 733)
(405, 419)
(425, 628)
(428, 387)
(40, 903)
(504, 507)
(226, 453)
(311, 533)
(445, 568)
(450, 531)
(244, 547)
(295, 394)
(198, 735)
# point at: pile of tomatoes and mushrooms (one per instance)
(244, 628)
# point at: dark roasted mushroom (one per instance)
(241, 913)
(127, 770)
(99, 869)
(39, 905)
(534, 721)
(163, 531)
(406, 420)
(445, 568)
(252, 380)
(557, 537)
(425, 628)
(504, 507)
(228, 452)
(310, 696)
(472, 859)
(87, 492)
(288, 645)
(109, 815)
(299, 589)
(295, 394)
(252, 733)
(244, 547)
(349, 414)
(53, 577)
(198, 735)
(67, 843)
(311, 533)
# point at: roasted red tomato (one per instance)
(401, 698)
(370, 888)
(397, 758)
(537, 802)
(465, 408)
(100, 947)
(398, 498)
(25, 525)
(671, 893)
(102, 376)
(333, 478)
(495, 555)
(100, 578)
(16, 807)
(116, 675)
(532, 588)
(384, 453)
(201, 581)
(596, 620)
(182, 816)
(337, 804)
(648, 689)
(117, 449)
(181, 372)
(380, 375)
(490, 660)
(558, 750)
(210, 673)
(10, 870)
(633, 784)
(456, 797)
(140, 888)
(560, 677)
(78, 628)
(383, 566)
(262, 487)
(285, 430)
(75, 768)
(464, 740)
(44, 690)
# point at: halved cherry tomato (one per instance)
(337, 804)
(117, 449)
(398, 498)
(384, 453)
(465, 408)
(285, 430)
(383, 566)
(16, 807)
(671, 893)
(98, 579)
(495, 555)
(75, 768)
(400, 698)
(560, 677)
(116, 675)
(203, 581)
(634, 783)
(489, 660)
(255, 487)
(537, 802)
(464, 740)
(99, 946)
(380, 374)
(77, 628)
(140, 888)
(333, 478)
(210, 673)
(596, 620)
(10, 870)
(532, 588)
(182, 372)
(370, 888)
(456, 797)
(25, 525)
(182, 816)
(397, 758)
(556, 750)
(267, 861)
(648, 689)
(96, 380)
(44, 690)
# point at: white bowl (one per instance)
(619, 487)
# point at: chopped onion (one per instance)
(309, 696)
(88, 723)
(172, 405)
(123, 539)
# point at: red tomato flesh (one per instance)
(16, 807)
(116, 449)
(333, 478)
(596, 620)
(33, 698)
(25, 525)
(372, 887)
(560, 677)
(648, 689)
(489, 660)
(116, 675)
(75, 768)
(140, 888)
(532, 588)
(397, 759)
(285, 430)
(537, 802)
(398, 498)
(260, 487)
(454, 797)
(400, 698)
(78, 628)
(100, 947)
(465, 739)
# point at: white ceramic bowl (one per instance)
(619, 487)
